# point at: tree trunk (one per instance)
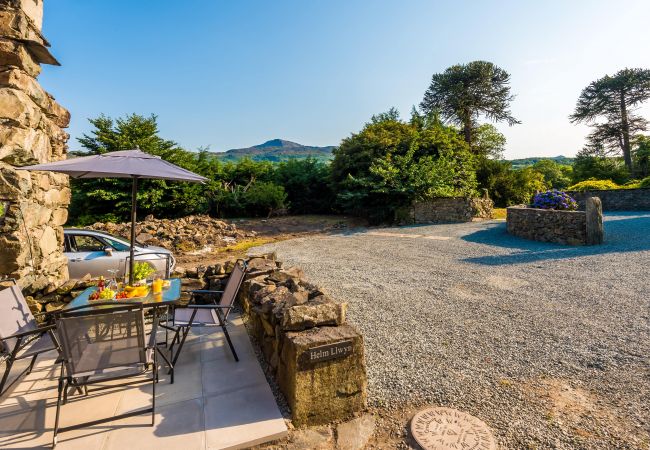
(467, 131)
(627, 154)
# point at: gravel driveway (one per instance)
(548, 344)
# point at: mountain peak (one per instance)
(277, 150)
(278, 143)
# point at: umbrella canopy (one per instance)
(122, 164)
(132, 164)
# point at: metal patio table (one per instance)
(169, 297)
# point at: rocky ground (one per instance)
(204, 240)
(548, 344)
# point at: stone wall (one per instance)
(316, 357)
(617, 199)
(31, 132)
(441, 210)
(547, 225)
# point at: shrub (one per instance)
(593, 185)
(262, 198)
(554, 199)
(645, 183)
(508, 186)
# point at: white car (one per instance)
(102, 254)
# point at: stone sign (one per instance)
(322, 353)
(446, 428)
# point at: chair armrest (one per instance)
(205, 291)
(28, 333)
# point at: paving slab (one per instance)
(231, 422)
(215, 402)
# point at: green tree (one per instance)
(556, 175)
(390, 163)
(307, 184)
(641, 156)
(507, 186)
(488, 142)
(586, 166)
(465, 92)
(110, 199)
(614, 99)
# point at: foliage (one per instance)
(554, 199)
(645, 183)
(593, 185)
(507, 186)
(613, 99)
(263, 198)
(465, 92)
(391, 163)
(641, 156)
(488, 142)
(241, 188)
(556, 175)
(307, 184)
(142, 270)
(587, 166)
(110, 199)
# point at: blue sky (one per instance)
(228, 74)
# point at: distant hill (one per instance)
(277, 150)
(525, 162)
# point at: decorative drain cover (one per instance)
(446, 428)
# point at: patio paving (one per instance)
(214, 403)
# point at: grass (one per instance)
(241, 247)
(499, 213)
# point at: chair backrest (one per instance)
(15, 316)
(95, 342)
(232, 286)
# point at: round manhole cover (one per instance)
(446, 428)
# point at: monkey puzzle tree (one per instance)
(614, 99)
(465, 92)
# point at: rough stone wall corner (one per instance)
(31, 131)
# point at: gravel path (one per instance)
(549, 345)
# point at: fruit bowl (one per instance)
(103, 296)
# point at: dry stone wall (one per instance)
(441, 210)
(616, 199)
(316, 357)
(31, 132)
(546, 225)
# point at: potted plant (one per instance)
(141, 270)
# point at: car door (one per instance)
(121, 253)
(87, 256)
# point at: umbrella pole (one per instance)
(134, 200)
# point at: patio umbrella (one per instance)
(134, 164)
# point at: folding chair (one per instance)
(20, 336)
(211, 314)
(101, 345)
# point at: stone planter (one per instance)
(562, 227)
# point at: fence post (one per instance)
(594, 209)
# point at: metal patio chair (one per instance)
(214, 313)
(20, 335)
(100, 345)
